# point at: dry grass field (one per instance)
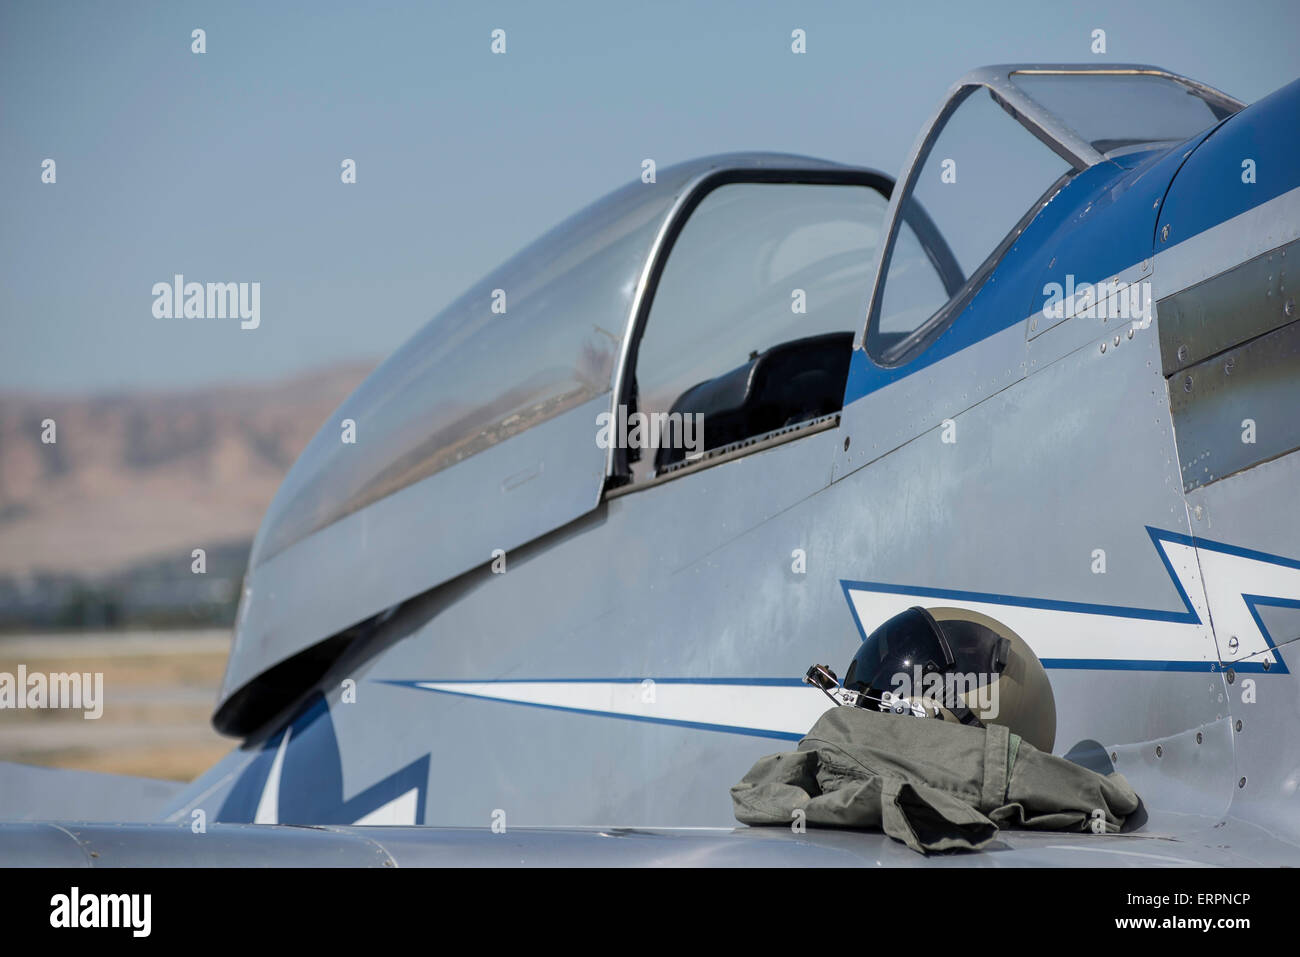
(159, 690)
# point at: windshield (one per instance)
(979, 175)
(1007, 139)
(1116, 110)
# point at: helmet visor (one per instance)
(900, 646)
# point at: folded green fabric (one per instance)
(934, 785)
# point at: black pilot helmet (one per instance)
(958, 665)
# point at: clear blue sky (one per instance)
(225, 166)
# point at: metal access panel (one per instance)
(1239, 408)
(1230, 308)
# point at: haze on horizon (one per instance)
(225, 166)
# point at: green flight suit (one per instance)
(934, 785)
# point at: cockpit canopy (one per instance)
(483, 432)
(538, 336)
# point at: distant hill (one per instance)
(136, 481)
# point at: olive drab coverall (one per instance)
(934, 785)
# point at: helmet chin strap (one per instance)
(821, 677)
(897, 704)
